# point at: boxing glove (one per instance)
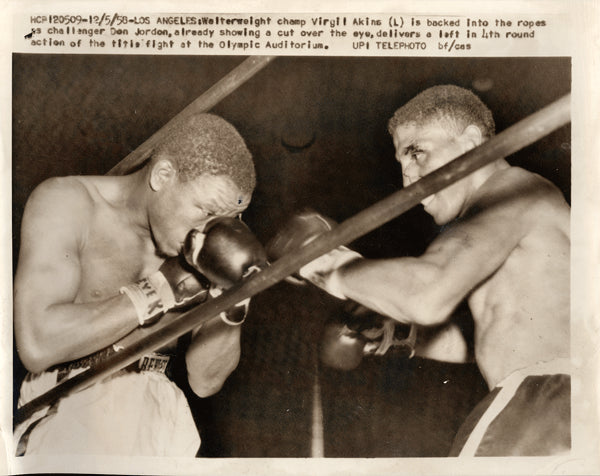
(341, 348)
(300, 230)
(174, 286)
(361, 332)
(226, 253)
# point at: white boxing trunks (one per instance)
(130, 413)
(527, 414)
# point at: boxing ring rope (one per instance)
(509, 141)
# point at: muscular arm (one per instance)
(426, 290)
(214, 352)
(212, 355)
(51, 326)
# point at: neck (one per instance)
(487, 171)
(133, 198)
(480, 177)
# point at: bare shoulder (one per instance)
(525, 185)
(519, 193)
(65, 198)
(511, 205)
(67, 191)
(59, 207)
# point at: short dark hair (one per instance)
(456, 107)
(208, 144)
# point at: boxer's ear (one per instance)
(471, 137)
(162, 173)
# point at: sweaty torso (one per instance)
(113, 250)
(521, 312)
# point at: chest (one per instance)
(113, 256)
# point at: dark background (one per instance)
(80, 114)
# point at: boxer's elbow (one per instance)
(33, 357)
(433, 311)
(36, 346)
(38, 349)
(203, 389)
(207, 378)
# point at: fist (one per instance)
(174, 286)
(188, 287)
(226, 252)
(300, 230)
(341, 348)
(360, 332)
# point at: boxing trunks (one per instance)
(137, 411)
(527, 414)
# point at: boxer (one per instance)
(504, 248)
(101, 260)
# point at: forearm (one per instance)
(63, 332)
(408, 290)
(404, 289)
(212, 355)
(445, 343)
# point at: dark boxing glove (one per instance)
(173, 286)
(361, 332)
(226, 253)
(300, 230)
(341, 348)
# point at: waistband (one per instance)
(507, 390)
(551, 367)
(152, 362)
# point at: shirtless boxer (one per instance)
(504, 248)
(89, 245)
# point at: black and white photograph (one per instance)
(337, 258)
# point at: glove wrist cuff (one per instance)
(151, 297)
(239, 308)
